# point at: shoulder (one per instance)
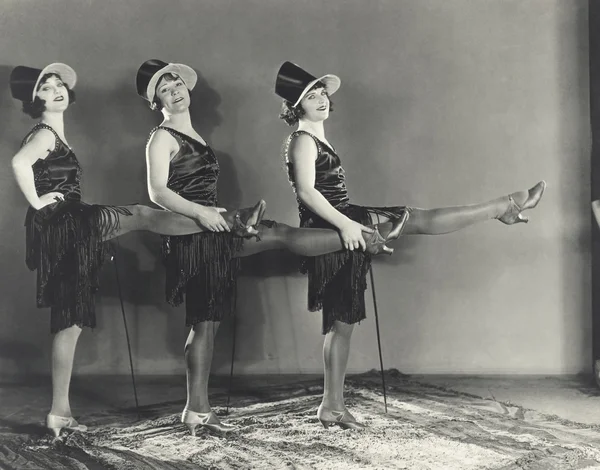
(161, 139)
(302, 145)
(42, 138)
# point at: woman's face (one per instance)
(54, 92)
(316, 105)
(173, 95)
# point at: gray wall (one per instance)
(441, 103)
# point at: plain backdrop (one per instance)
(441, 103)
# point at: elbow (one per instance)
(16, 164)
(304, 194)
(156, 195)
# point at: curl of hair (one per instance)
(292, 114)
(156, 105)
(35, 108)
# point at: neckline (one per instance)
(51, 129)
(184, 135)
(316, 138)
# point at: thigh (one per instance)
(271, 238)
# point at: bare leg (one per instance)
(63, 353)
(155, 220)
(301, 241)
(450, 219)
(336, 349)
(198, 358)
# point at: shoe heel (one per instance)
(55, 431)
(192, 428)
(325, 423)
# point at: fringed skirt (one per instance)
(337, 281)
(64, 244)
(202, 269)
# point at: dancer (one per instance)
(64, 236)
(183, 173)
(337, 281)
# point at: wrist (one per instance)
(36, 203)
(344, 223)
(199, 210)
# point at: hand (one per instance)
(49, 198)
(211, 218)
(352, 237)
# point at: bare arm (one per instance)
(38, 147)
(596, 210)
(158, 155)
(303, 153)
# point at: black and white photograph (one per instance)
(300, 234)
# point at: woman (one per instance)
(182, 177)
(64, 236)
(337, 281)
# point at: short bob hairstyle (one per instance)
(156, 105)
(292, 114)
(36, 107)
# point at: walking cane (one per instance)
(232, 350)
(378, 338)
(137, 408)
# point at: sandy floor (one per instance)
(427, 426)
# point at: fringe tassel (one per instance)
(65, 245)
(337, 281)
(202, 268)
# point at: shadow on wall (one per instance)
(109, 130)
(577, 60)
(18, 313)
(118, 143)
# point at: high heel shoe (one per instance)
(398, 225)
(239, 220)
(375, 243)
(513, 215)
(343, 419)
(208, 420)
(55, 423)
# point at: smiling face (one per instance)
(315, 105)
(54, 93)
(172, 94)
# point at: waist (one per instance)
(206, 198)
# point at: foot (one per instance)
(244, 222)
(397, 226)
(208, 420)
(521, 201)
(343, 418)
(56, 423)
(376, 243)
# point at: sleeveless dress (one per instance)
(336, 281)
(199, 266)
(64, 240)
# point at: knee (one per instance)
(142, 216)
(205, 329)
(342, 329)
(69, 334)
(418, 221)
(143, 212)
